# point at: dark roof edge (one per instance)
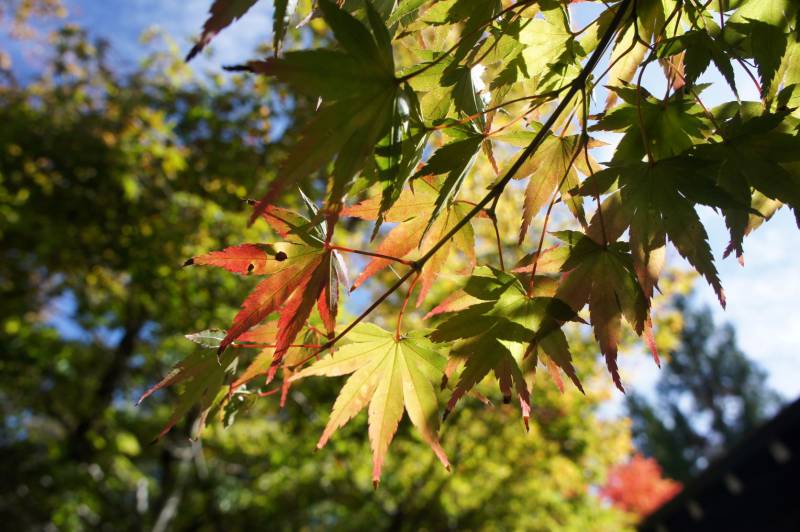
(756, 441)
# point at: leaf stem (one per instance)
(405, 304)
(493, 218)
(370, 254)
(258, 345)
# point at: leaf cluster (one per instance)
(431, 110)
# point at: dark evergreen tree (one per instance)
(710, 395)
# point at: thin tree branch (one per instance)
(578, 83)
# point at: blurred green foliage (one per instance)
(108, 181)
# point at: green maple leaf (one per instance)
(759, 30)
(670, 127)
(554, 167)
(550, 51)
(701, 48)
(361, 99)
(390, 375)
(454, 161)
(202, 378)
(759, 152)
(657, 202)
(508, 316)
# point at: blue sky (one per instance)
(762, 297)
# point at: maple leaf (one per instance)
(454, 161)
(657, 202)
(553, 167)
(360, 101)
(508, 315)
(301, 272)
(222, 14)
(411, 212)
(700, 49)
(759, 30)
(202, 375)
(265, 337)
(603, 277)
(390, 374)
(630, 48)
(670, 127)
(757, 152)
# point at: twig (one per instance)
(497, 189)
(370, 254)
(405, 304)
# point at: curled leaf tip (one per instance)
(193, 52)
(188, 262)
(526, 420)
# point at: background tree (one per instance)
(637, 486)
(709, 395)
(417, 117)
(108, 181)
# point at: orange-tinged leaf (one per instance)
(408, 205)
(298, 307)
(261, 334)
(401, 241)
(246, 259)
(269, 296)
(552, 168)
(435, 264)
(603, 277)
(458, 300)
(554, 349)
(258, 367)
(284, 221)
(606, 316)
(412, 211)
